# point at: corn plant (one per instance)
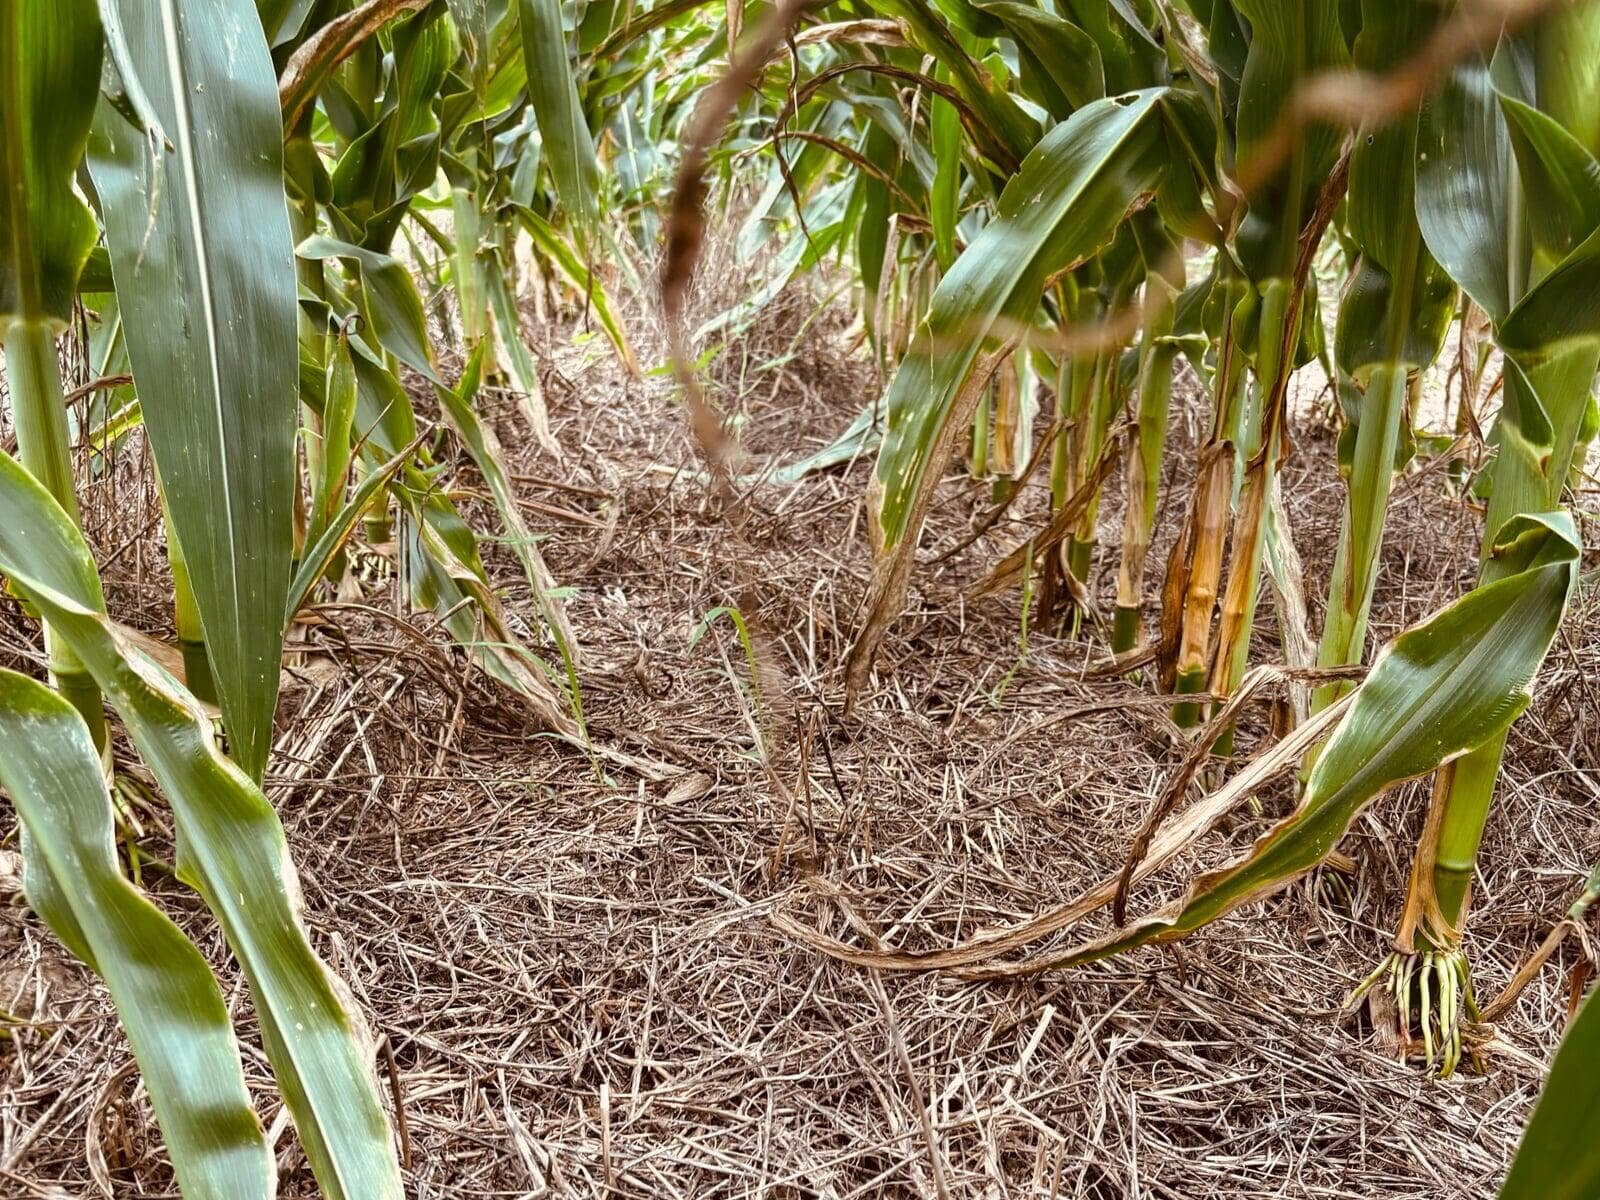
(1478, 177)
(216, 389)
(1392, 324)
(397, 102)
(1505, 131)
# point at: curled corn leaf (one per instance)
(231, 850)
(166, 997)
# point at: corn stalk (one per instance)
(1157, 356)
(1064, 204)
(1275, 240)
(1392, 324)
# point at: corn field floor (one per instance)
(575, 979)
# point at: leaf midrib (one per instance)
(184, 148)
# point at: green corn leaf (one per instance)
(504, 84)
(861, 437)
(118, 424)
(1400, 302)
(338, 425)
(765, 217)
(202, 256)
(385, 419)
(231, 850)
(165, 995)
(514, 356)
(469, 271)
(447, 577)
(308, 71)
(1559, 1158)
(1561, 178)
(1464, 163)
(640, 23)
(969, 18)
(281, 20)
(944, 196)
(96, 275)
(550, 243)
(1288, 43)
(1563, 308)
(1192, 139)
(1564, 46)
(1127, 66)
(1065, 202)
(553, 90)
(472, 19)
(319, 555)
(1501, 189)
(1065, 60)
(49, 63)
(1439, 690)
(1541, 414)
(872, 229)
(392, 303)
(827, 219)
(486, 452)
(393, 152)
(1001, 115)
(1228, 42)
(1125, 10)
